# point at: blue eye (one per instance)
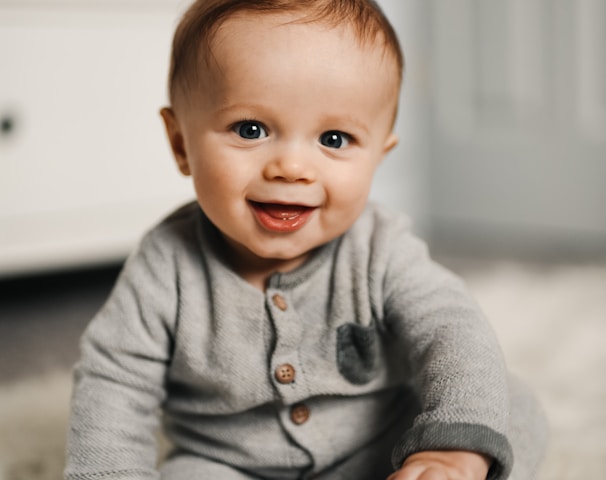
(334, 139)
(250, 130)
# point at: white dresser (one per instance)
(84, 164)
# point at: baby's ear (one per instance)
(175, 137)
(390, 142)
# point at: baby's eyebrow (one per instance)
(241, 107)
(346, 119)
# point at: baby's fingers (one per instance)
(419, 472)
(444, 465)
(433, 474)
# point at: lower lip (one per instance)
(286, 223)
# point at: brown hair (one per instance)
(194, 33)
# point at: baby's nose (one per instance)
(291, 166)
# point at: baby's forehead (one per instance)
(244, 34)
(298, 63)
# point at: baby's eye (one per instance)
(250, 130)
(335, 139)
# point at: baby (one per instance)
(284, 327)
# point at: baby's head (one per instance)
(281, 112)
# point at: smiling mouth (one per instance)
(282, 218)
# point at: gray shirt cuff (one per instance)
(457, 436)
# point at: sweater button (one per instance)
(285, 373)
(299, 414)
(280, 302)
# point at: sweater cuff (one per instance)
(457, 436)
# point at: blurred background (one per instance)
(501, 164)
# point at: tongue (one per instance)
(282, 212)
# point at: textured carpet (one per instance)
(552, 324)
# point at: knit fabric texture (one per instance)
(366, 324)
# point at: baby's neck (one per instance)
(257, 270)
(258, 276)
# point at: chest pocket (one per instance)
(358, 352)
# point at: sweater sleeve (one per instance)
(119, 380)
(452, 356)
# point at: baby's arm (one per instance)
(451, 355)
(119, 379)
(443, 465)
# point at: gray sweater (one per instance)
(368, 322)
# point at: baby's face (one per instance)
(284, 134)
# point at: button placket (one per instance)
(285, 368)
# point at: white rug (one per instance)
(552, 325)
(33, 422)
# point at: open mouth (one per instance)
(279, 217)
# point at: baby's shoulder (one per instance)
(176, 232)
(379, 226)
(175, 226)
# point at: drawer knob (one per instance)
(7, 125)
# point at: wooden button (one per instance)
(285, 373)
(280, 302)
(299, 414)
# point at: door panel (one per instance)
(519, 124)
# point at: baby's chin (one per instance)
(284, 256)
(290, 249)
(261, 256)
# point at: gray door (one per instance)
(518, 125)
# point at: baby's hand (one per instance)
(443, 465)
